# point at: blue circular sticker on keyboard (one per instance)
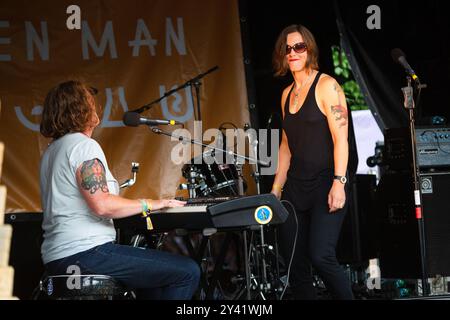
(263, 214)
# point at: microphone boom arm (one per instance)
(193, 141)
(168, 93)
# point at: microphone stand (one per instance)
(261, 249)
(253, 144)
(197, 84)
(409, 105)
(193, 141)
(194, 81)
(256, 174)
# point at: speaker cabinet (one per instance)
(25, 255)
(358, 240)
(400, 242)
(436, 206)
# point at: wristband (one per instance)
(146, 208)
(277, 187)
(144, 205)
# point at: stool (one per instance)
(82, 287)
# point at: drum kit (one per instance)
(212, 179)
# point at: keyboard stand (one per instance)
(196, 255)
(218, 266)
(208, 285)
(247, 267)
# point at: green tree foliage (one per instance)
(342, 69)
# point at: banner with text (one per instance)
(133, 52)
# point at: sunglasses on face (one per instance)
(298, 47)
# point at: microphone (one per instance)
(399, 57)
(134, 119)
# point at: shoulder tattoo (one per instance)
(339, 111)
(93, 176)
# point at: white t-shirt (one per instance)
(70, 226)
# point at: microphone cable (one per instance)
(293, 247)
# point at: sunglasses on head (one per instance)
(298, 47)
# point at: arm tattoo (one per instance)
(93, 176)
(339, 111)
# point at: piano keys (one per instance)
(219, 213)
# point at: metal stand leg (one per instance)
(247, 267)
(261, 277)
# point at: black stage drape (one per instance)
(422, 31)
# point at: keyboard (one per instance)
(195, 205)
(202, 213)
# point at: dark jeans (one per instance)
(317, 238)
(155, 274)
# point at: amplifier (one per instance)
(400, 242)
(432, 147)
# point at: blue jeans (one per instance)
(152, 273)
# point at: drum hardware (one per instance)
(194, 175)
(262, 275)
(213, 177)
(154, 241)
(132, 181)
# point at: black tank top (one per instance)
(309, 138)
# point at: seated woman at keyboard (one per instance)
(80, 198)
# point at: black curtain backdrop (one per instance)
(422, 31)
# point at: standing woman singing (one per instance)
(312, 165)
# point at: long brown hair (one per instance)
(280, 64)
(67, 108)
